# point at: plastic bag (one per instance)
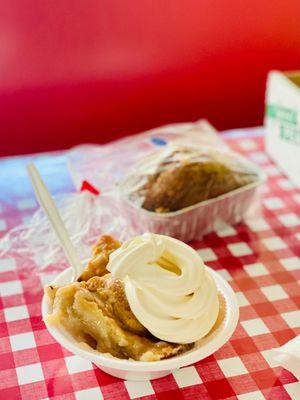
(104, 166)
(118, 159)
(87, 216)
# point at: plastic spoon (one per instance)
(47, 203)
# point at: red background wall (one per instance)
(92, 70)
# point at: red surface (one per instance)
(266, 281)
(78, 71)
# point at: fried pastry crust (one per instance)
(177, 185)
(95, 311)
(101, 251)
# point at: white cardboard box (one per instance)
(282, 121)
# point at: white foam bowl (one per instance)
(142, 370)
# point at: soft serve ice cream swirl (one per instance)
(167, 287)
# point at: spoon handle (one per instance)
(47, 203)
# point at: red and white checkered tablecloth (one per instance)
(258, 258)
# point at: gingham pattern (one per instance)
(258, 258)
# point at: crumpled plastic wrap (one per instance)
(86, 215)
(104, 166)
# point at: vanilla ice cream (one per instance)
(167, 286)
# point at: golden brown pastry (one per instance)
(96, 312)
(187, 176)
(101, 251)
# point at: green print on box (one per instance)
(290, 134)
(283, 114)
(287, 118)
